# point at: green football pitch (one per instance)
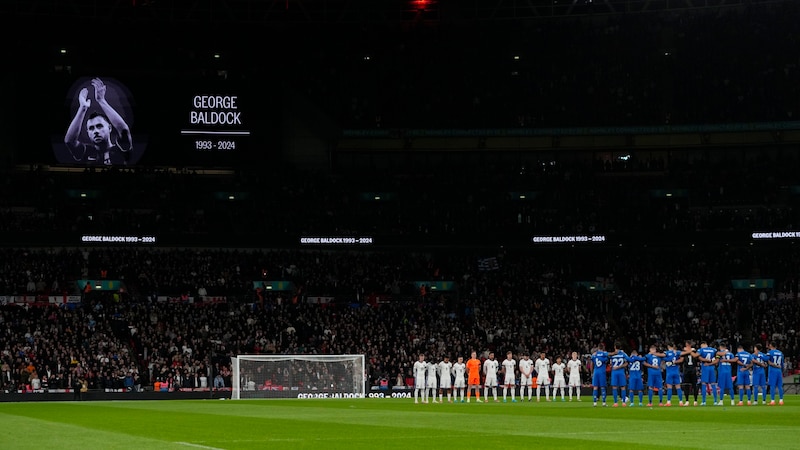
(390, 423)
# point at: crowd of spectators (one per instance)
(532, 301)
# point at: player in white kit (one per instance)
(574, 370)
(445, 379)
(509, 382)
(420, 373)
(430, 383)
(542, 366)
(490, 367)
(460, 384)
(525, 376)
(558, 378)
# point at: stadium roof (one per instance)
(343, 11)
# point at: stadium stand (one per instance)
(679, 258)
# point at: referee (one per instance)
(690, 373)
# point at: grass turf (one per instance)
(388, 424)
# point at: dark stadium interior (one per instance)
(564, 173)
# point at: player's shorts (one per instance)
(743, 378)
(575, 380)
(775, 378)
(635, 383)
(674, 379)
(708, 374)
(655, 380)
(558, 382)
(618, 378)
(690, 376)
(725, 382)
(525, 380)
(509, 380)
(460, 383)
(431, 383)
(419, 383)
(599, 378)
(543, 379)
(759, 379)
(445, 383)
(490, 382)
(474, 380)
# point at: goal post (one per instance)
(298, 376)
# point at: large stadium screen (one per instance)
(132, 118)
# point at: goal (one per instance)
(298, 376)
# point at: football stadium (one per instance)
(237, 224)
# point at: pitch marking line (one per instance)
(189, 444)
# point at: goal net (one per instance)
(298, 376)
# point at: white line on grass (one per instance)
(650, 432)
(338, 438)
(189, 444)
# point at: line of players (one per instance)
(716, 374)
(465, 378)
(754, 372)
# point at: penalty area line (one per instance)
(207, 447)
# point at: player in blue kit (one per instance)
(743, 361)
(725, 375)
(759, 374)
(673, 359)
(635, 383)
(708, 374)
(655, 381)
(775, 374)
(618, 363)
(599, 382)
